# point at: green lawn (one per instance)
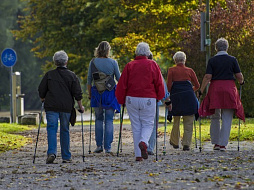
(246, 129)
(11, 140)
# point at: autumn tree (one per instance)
(234, 21)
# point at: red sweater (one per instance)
(182, 73)
(222, 94)
(140, 78)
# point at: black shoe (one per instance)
(50, 158)
(67, 161)
(174, 146)
(150, 152)
(186, 148)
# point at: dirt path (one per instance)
(176, 170)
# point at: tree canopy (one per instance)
(77, 26)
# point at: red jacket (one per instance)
(222, 94)
(140, 78)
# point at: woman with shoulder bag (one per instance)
(103, 69)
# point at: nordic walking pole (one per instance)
(200, 146)
(157, 117)
(82, 130)
(42, 107)
(195, 133)
(90, 136)
(120, 131)
(165, 131)
(121, 145)
(238, 147)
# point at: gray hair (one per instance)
(143, 49)
(60, 58)
(102, 50)
(221, 44)
(179, 57)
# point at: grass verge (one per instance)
(246, 129)
(9, 139)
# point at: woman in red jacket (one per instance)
(139, 87)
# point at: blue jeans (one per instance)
(52, 127)
(152, 139)
(100, 132)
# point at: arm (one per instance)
(81, 107)
(43, 87)
(207, 78)
(77, 93)
(89, 80)
(117, 72)
(239, 77)
(89, 90)
(121, 87)
(169, 80)
(195, 81)
(158, 82)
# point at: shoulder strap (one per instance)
(93, 67)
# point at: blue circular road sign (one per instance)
(9, 57)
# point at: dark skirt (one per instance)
(184, 101)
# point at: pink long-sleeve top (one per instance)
(182, 73)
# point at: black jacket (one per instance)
(59, 87)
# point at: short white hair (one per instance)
(221, 44)
(143, 49)
(179, 56)
(60, 58)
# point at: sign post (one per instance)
(9, 59)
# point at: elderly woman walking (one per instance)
(103, 99)
(139, 87)
(182, 82)
(222, 99)
(58, 89)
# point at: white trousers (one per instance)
(141, 112)
(220, 131)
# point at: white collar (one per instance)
(221, 53)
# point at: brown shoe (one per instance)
(143, 148)
(174, 146)
(139, 159)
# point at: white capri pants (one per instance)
(141, 112)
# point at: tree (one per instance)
(75, 26)
(25, 63)
(234, 21)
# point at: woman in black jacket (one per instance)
(58, 89)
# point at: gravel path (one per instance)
(176, 170)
